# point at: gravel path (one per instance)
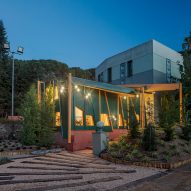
(80, 171)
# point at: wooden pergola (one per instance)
(151, 88)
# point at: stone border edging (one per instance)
(160, 165)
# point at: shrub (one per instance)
(31, 115)
(169, 132)
(186, 131)
(149, 138)
(134, 129)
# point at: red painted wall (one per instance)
(82, 139)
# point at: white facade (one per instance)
(150, 62)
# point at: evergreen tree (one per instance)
(5, 86)
(47, 112)
(31, 117)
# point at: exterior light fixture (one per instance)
(124, 97)
(87, 95)
(137, 95)
(19, 51)
(62, 89)
(76, 87)
(6, 46)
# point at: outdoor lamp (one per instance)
(6, 46)
(20, 50)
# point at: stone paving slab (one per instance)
(97, 174)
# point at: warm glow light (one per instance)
(76, 87)
(137, 96)
(89, 94)
(124, 97)
(62, 89)
(86, 96)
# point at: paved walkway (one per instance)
(176, 180)
(80, 171)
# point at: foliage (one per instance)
(31, 117)
(38, 119)
(4, 74)
(186, 131)
(168, 115)
(149, 138)
(134, 125)
(47, 119)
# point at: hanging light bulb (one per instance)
(76, 87)
(124, 97)
(78, 90)
(137, 95)
(62, 89)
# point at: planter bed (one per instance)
(157, 164)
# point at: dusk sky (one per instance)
(85, 32)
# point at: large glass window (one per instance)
(89, 120)
(79, 117)
(105, 119)
(57, 119)
(120, 122)
(130, 68)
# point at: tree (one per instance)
(149, 138)
(31, 117)
(4, 74)
(47, 117)
(168, 115)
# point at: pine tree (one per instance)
(5, 86)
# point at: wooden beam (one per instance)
(142, 108)
(107, 103)
(69, 108)
(180, 102)
(122, 111)
(99, 104)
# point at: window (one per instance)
(109, 74)
(122, 73)
(79, 117)
(181, 68)
(120, 121)
(57, 119)
(99, 78)
(105, 119)
(168, 70)
(130, 68)
(89, 120)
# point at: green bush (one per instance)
(149, 138)
(38, 119)
(134, 130)
(186, 131)
(31, 117)
(169, 132)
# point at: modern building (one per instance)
(147, 63)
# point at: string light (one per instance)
(137, 96)
(88, 95)
(62, 89)
(124, 97)
(76, 87)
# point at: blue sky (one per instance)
(85, 32)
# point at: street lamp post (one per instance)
(19, 51)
